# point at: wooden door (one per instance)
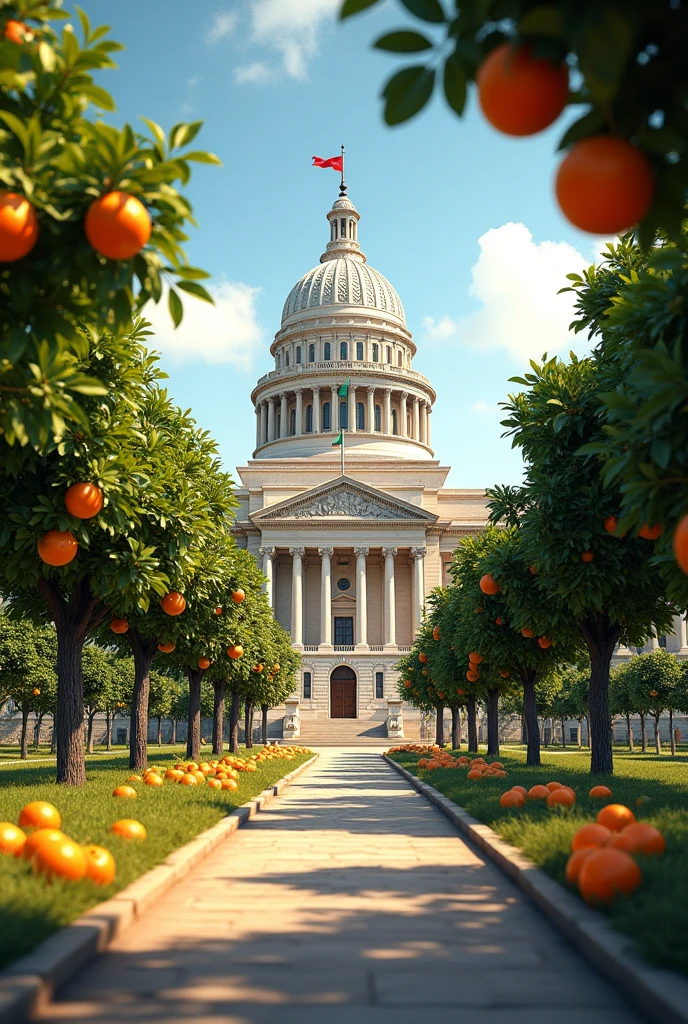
(343, 693)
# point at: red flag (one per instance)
(335, 162)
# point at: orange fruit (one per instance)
(436, 632)
(188, 779)
(512, 798)
(499, 621)
(42, 835)
(650, 532)
(553, 785)
(680, 544)
(83, 500)
(229, 784)
(520, 94)
(615, 817)
(12, 839)
(235, 651)
(561, 797)
(124, 791)
(474, 774)
(128, 828)
(61, 859)
(173, 603)
(472, 677)
(39, 814)
(520, 789)
(475, 658)
(215, 783)
(590, 835)
(18, 226)
(423, 658)
(606, 874)
(527, 632)
(57, 547)
(575, 862)
(119, 625)
(152, 779)
(238, 596)
(166, 648)
(600, 792)
(610, 524)
(204, 663)
(587, 556)
(488, 584)
(100, 864)
(638, 837)
(504, 673)
(538, 793)
(532, 569)
(133, 778)
(117, 225)
(17, 32)
(605, 185)
(544, 642)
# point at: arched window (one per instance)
(309, 419)
(286, 359)
(378, 418)
(279, 359)
(298, 353)
(359, 350)
(342, 227)
(292, 422)
(376, 353)
(360, 416)
(311, 354)
(343, 416)
(389, 353)
(328, 351)
(400, 358)
(326, 416)
(334, 230)
(343, 350)
(394, 422)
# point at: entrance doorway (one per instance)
(343, 693)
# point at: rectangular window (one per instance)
(311, 353)
(307, 685)
(343, 631)
(342, 227)
(378, 418)
(286, 359)
(343, 350)
(573, 735)
(376, 353)
(328, 351)
(379, 685)
(343, 416)
(326, 416)
(360, 416)
(298, 353)
(121, 736)
(359, 351)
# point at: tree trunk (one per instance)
(234, 710)
(456, 728)
(218, 716)
(264, 708)
(439, 725)
(53, 739)
(524, 731)
(89, 732)
(159, 731)
(472, 726)
(528, 676)
(643, 732)
(37, 729)
(658, 738)
(579, 736)
(672, 737)
(493, 723)
(248, 724)
(629, 730)
(144, 650)
(24, 743)
(563, 733)
(601, 638)
(108, 729)
(175, 726)
(193, 733)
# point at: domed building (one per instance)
(350, 555)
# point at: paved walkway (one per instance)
(351, 901)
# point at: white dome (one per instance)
(347, 282)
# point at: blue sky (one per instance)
(460, 219)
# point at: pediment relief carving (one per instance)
(345, 504)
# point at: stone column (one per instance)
(361, 598)
(417, 556)
(262, 425)
(402, 413)
(424, 423)
(316, 410)
(352, 410)
(258, 425)
(415, 419)
(297, 595)
(334, 411)
(370, 425)
(428, 429)
(284, 416)
(387, 412)
(390, 604)
(681, 632)
(325, 596)
(271, 419)
(299, 412)
(269, 555)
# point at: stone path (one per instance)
(351, 901)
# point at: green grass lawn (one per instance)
(31, 909)
(655, 916)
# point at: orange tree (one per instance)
(622, 63)
(272, 677)
(99, 674)
(163, 696)
(653, 681)
(608, 587)
(27, 666)
(91, 219)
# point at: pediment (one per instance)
(344, 500)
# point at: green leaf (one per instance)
(199, 156)
(46, 55)
(455, 83)
(174, 304)
(403, 42)
(588, 124)
(196, 289)
(100, 97)
(407, 92)
(350, 7)
(545, 20)
(426, 10)
(158, 133)
(183, 134)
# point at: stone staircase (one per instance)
(350, 732)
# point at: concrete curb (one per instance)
(661, 995)
(27, 986)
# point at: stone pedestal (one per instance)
(292, 719)
(395, 721)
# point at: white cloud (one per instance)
(228, 332)
(482, 408)
(222, 24)
(253, 73)
(516, 281)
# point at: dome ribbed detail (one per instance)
(347, 282)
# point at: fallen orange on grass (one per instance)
(561, 797)
(100, 864)
(128, 828)
(39, 814)
(538, 793)
(61, 859)
(36, 839)
(638, 837)
(600, 792)
(590, 835)
(575, 862)
(615, 817)
(607, 873)
(512, 798)
(12, 839)
(124, 791)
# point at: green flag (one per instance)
(338, 441)
(344, 389)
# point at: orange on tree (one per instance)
(36, 692)
(39, 814)
(423, 658)
(532, 569)
(100, 864)
(173, 603)
(527, 632)
(605, 185)
(606, 874)
(544, 642)
(615, 817)
(18, 226)
(489, 585)
(499, 621)
(204, 663)
(119, 625)
(587, 556)
(57, 547)
(117, 225)
(62, 859)
(436, 632)
(218, 610)
(680, 544)
(591, 834)
(166, 648)
(238, 596)
(12, 839)
(17, 32)
(575, 862)
(83, 500)
(610, 524)
(235, 651)
(650, 532)
(128, 828)
(519, 93)
(475, 657)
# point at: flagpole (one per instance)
(342, 187)
(342, 446)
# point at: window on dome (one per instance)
(343, 416)
(378, 418)
(286, 359)
(408, 425)
(311, 353)
(376, 353)
(292, 422)
(278, 423)
(343, 350)
(342, 227)
(359, 350)
(279, 359)
(309, 419)
(351, 229)
(389, 353)
(328, 351)
(326, 416)
(360, 416)
(400, 358)
(298, 353)
(394, 422)
(334, 230)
